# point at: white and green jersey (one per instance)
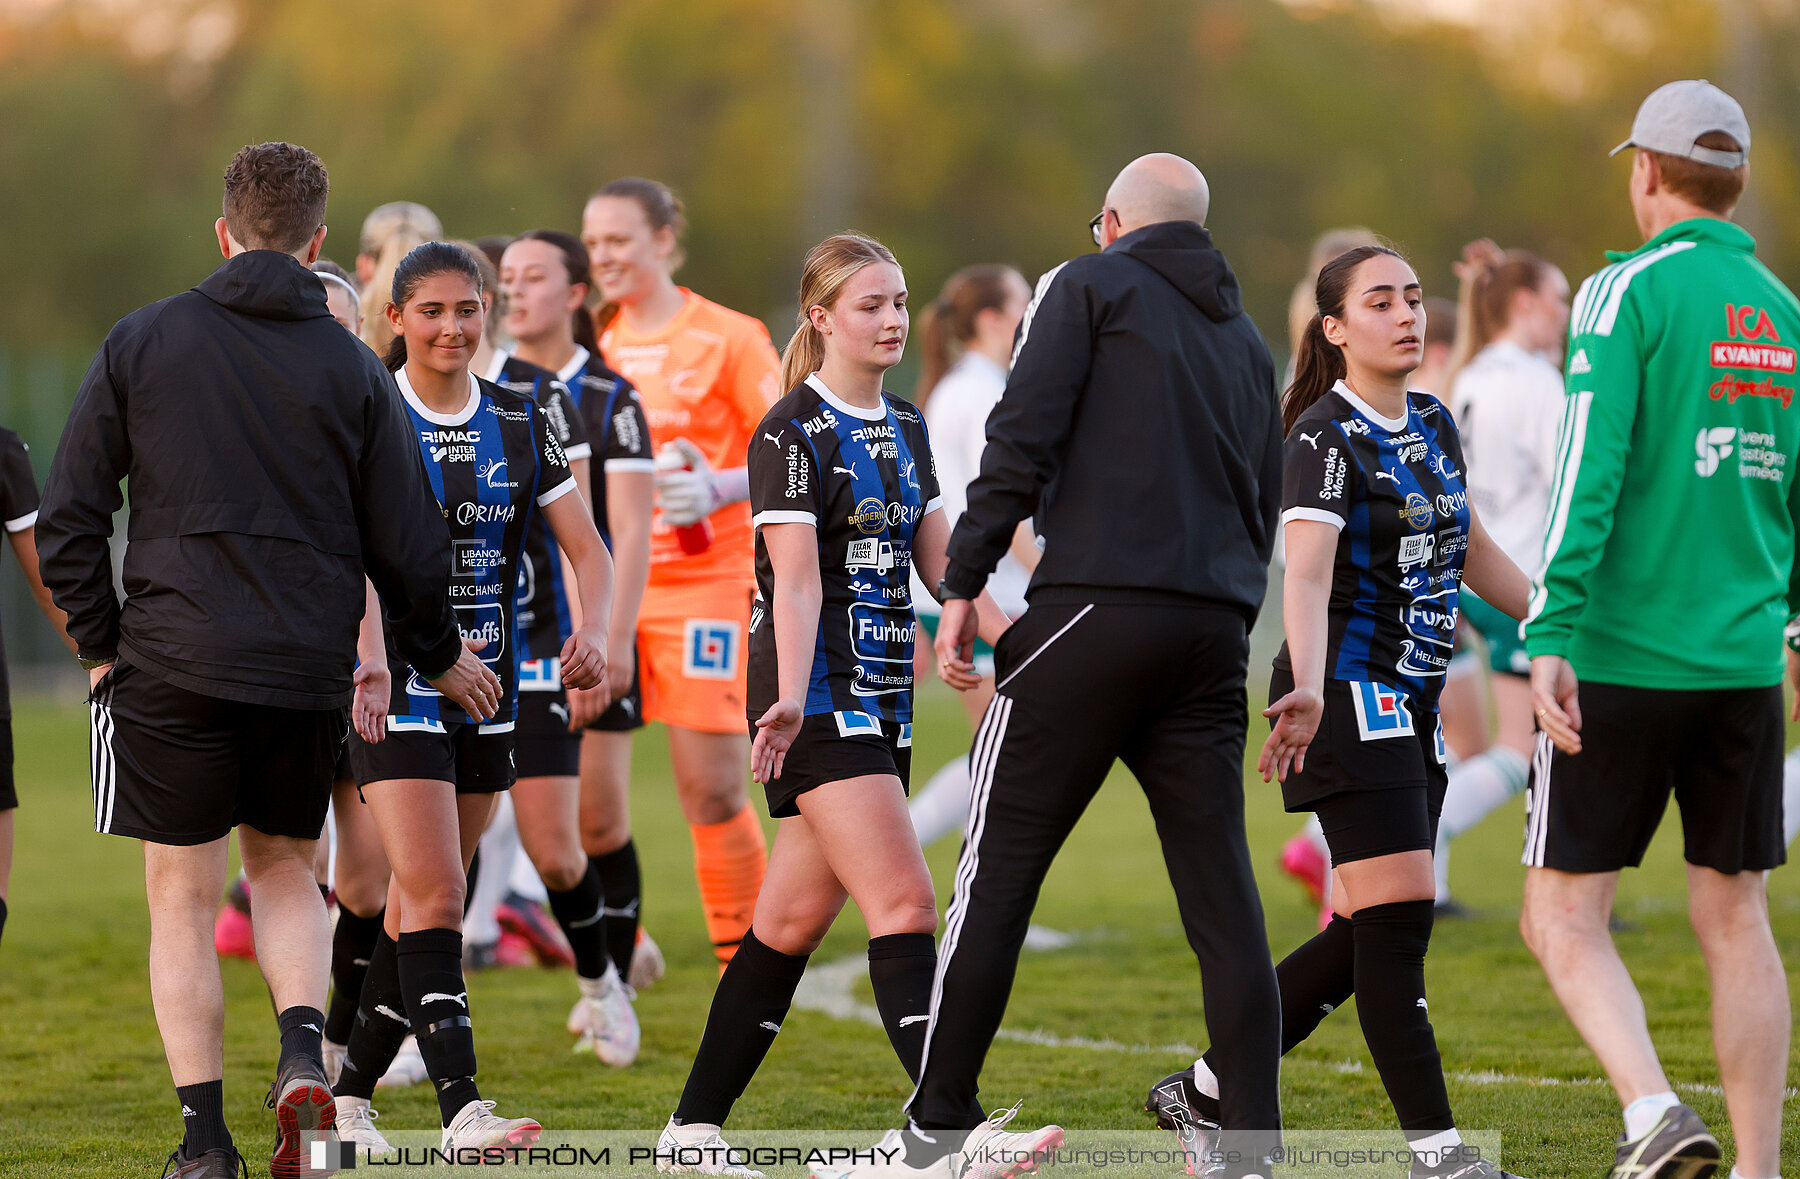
(1669, 559)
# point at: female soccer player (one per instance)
(1380, 538)
(388, 233)
(706, 375)
(494, 459)
(978, 312)
(1508, 403)
(846, 499)
(545, 277)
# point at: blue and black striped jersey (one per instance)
(491, 465)
(1394, 490)
(864, 478)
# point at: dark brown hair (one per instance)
(1715, 189)
(1321, 363)
(575, 264)
(423, 262)
(662, 209)
(970, 291)
(275, 196)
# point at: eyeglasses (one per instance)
(1095, 226)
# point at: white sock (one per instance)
(524, 878)
(1737, 1174)
(1480, 785)
(1440, 863)
(1315, 835)
(1642, 1114)
(1790, 798)
(1433, 1144)
(1205, 1081)
(943, 806)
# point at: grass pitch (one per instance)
(84, 1090)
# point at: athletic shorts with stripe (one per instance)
(1718, 751)
(175, 767)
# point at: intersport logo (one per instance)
(1713, 446)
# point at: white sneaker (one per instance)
(889, 1162)
(1043, 938)
(697, 1148)
(334, 1060)
(356, 1123)
(605, 1020)
(992, 1152)
(408, 1067)
(647, 964)
(476, 1125)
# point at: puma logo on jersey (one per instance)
(909, 1020)
(849, 470)
(1391, 478)
(771, 1025)
(461, 999)
(1311, 440)
(775, 438)
(561, 711)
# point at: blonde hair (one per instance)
(390, 233)
(829, 265)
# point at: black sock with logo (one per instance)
(352, 946)
(301, 1030)
(623, 887)
(582, 914)
(747, 1010)
(202, 1118)
(1391, 940)
(381, 1023)
(437, 1002)
(901, 967)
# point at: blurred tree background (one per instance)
(955, 130)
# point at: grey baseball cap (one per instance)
(1677, 114)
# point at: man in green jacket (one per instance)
(1668, 579)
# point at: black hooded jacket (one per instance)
(271, 463)
(1139, 427)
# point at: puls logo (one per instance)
(1712, 446)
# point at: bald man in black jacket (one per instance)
(271, 465)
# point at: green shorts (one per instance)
(984, 654)
(1506, 650)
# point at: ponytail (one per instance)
(1484, 302)
(949, 323)
(829, 265)
(1319, 364)
(578, 271)
(934, 344)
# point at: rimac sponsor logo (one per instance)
(799, 474)
(1416, 511)
(1409, 448)
(468, 512)
(877, 440)
(819, 422)
(870, 517)
(1332, 486)
(451, 446)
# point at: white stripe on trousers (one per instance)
(982, 760)
(1537, 817)
(103, 766)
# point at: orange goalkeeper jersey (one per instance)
(709, 376)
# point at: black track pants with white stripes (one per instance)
(1160, 686)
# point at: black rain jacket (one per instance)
(271, 463)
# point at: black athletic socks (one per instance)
(352, 945)
(1317, 978)
(1390, 999)
(203, 1118)
(301, 1028)
(753, 998)
(437, 1002)
(582, 914)
(381, 1023)
(2, 916)
(901, 966)
(623, 888)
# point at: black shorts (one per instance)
(1718, 751)
(823, 752)
(543, 747)
(175, 767)
(477, 762)
(9, 794)
(1366, 824)
(1371, 737)
(627, 712)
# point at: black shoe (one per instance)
(1191, 1115)
(1678, 1146)
(1451, 909)
(1456, 1162)
(222, 1163)
(305, 1112)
